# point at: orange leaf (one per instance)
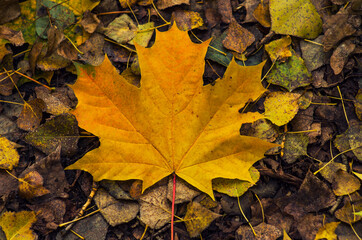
(172, 123)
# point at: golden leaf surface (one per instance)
(172, 123)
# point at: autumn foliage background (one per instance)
(254, 105)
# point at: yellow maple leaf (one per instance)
(172, 123)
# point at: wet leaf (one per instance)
(198, 218)
(237, 38)
(9, 157)
(16, 225)
(327, 231)
(295, 17)
(291, 74)
(235, 187)
(281, 107)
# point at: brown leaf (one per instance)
(237, 38)
(14, 37)
(10, 9)
(49, 215)
(31, 115)
(31, 185)
(163, 4)
(346, 213)
(225, 10)
(93, 50)
(339, 26)
(59, 101)
(340, 56)
(345, 183)
(55, 37)
(309, 225)
(262, 14)
(187, 20)
(250, 6)
(263, 232)
(212, 16)
(155, 208)
(51, 173)
(34, 55)
(89, 22)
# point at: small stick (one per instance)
(89, 199)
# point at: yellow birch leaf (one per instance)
(279, 49)
(327, 231)
(295, 17)
(172, 123)
(9, 157)
(281, 107)
(16, 225)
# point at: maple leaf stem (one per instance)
(173, 203)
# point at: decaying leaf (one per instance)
(10, 10)
(262, 14)
(163, 4)
(16, 225)
(9, 157)
(291, 74)
(345, 183)
(237, 38)
(340, 56)
(31, 185)
(58, 101)
(295, 146)
(198, 218)
(60, 130)
(155, 209)
(31, 115)
(187, 20)
(114, 211)
(346, 213)
(55, 183)
(295, 17)
(181, 133)
(263, 231)
(124, 30)
(89, 22)
(313, 54)
(281, 107)
(351, 139)
(339, 26)
(184, 192)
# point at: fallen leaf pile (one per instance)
(253, 106)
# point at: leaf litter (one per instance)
(325, 126)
